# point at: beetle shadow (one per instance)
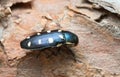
(34, 65)
(57, 51)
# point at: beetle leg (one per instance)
(55, 53)
(58, 50)
(71, 53)
(50, 53)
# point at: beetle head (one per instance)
(71, 38)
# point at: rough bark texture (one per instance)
(98, 51)
(110, 5)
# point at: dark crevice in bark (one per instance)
(21, 6)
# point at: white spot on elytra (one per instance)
(50, 40)
(28, 37)
(39, 41)
(61, 36)
(59, 30)
(38, 33)
(29, 44)
(48, 31)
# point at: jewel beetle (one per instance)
(49, 39)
